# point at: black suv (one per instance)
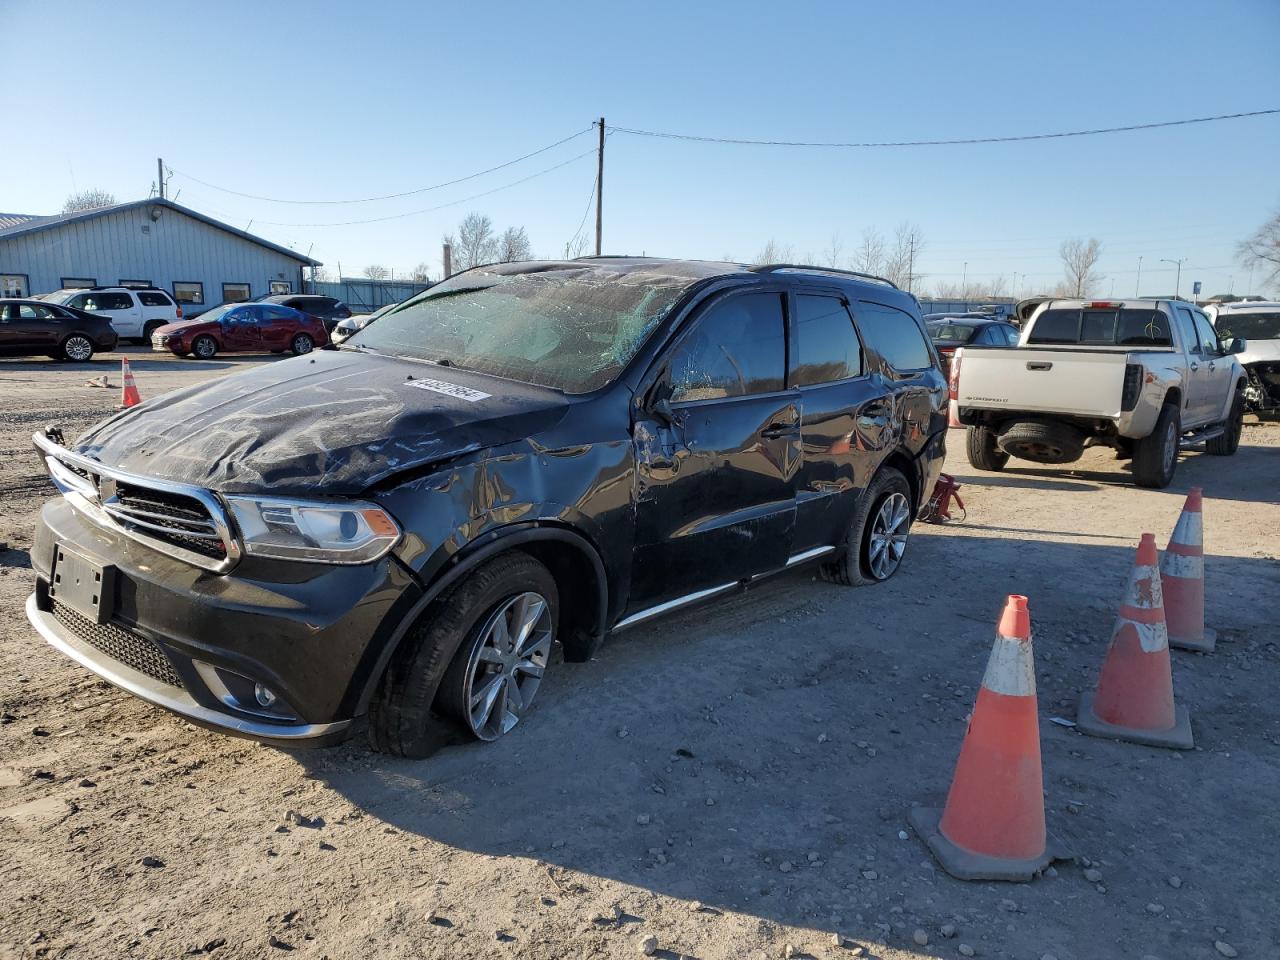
(526, 453)
(328, 310)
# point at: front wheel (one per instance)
(300, 344)
(1229, 442)
(478, 658)
(1155, 456)
(77, 348)
(204, 348)
(877, 537)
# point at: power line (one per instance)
(451, 203)
(389, 196)
(941, 143)
(595, 182)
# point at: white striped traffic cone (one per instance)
(1182, 571)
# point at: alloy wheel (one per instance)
(78, 348)
(888, 541)
(506, 666)
(301, 344)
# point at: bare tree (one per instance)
(775, 252)
(421, 273)
(1263, 250)
(1079, 257)
(869, 257)
(514, 245)
(376, 271)
(579, 246)
(474, 243)
(901, 260)
(321, 274)
(88, 200)
(833, 252)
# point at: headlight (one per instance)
(316, 532)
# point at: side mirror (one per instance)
(1237, 345)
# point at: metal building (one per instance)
(201, 261)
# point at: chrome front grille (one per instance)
(181, 520)
(119, 644)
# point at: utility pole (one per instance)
(1137, 287)
(160, 177)
(446, 258)
(964, 281)
(1177, 283)
(600, 190)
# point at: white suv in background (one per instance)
(1258, 322)
(135, 312)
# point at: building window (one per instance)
(13, 285)
(188, 291)
(135, 284)
(78, 283)
(281, 286)
(235, 292)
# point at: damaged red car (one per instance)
(242, 328)
(528, 455)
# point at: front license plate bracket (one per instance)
(86, 587)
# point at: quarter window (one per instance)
(828, 347)
(894, 335)
(737, 348)
(185, 291)
(235, 292)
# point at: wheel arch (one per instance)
(572, 560)
(909, 468)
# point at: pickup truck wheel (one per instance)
(980, 444)
(477, 657)
(1042, 441)
(1155, 456)
(877, 535)
(1229, 442)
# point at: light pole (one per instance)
(964, 281)
(1177, 283)
(1137, 287)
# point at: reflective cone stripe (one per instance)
(995, 806)
(1182, 570)
(1135, 688)
(129, 396)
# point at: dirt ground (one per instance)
(734, 782)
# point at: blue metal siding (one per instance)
(129, 244)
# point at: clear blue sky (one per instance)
(339, 100)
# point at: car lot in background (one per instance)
(1257, 322)
(950, 333)
(135, 312)
(357, 322)
(327, 309)
(242, 328)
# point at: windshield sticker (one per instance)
(448, 389)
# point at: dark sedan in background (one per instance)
(950, 333)
(329, 310)
(31, 328)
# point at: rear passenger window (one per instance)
(828, 347)
(736, 349)
(894, 335)
(152, 298)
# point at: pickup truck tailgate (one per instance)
(1083, 382)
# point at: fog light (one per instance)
(264, 695)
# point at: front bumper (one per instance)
(196, 642)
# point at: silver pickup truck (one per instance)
(1146, 377)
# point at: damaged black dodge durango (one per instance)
(527, 453)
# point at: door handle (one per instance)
(1212, 366)
(780, 428)
(1194, 365)
(1039, 365)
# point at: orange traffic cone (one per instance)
(1134, 699)
(129, 396)
(1182, 575)
(992, 827)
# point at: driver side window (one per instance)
(737, 348)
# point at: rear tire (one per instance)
(858, 564)
(1155, 456)
(980, 445)
(149, 330)
(436, 659)
(204, 347)
(1042, 441)
(301, 344)
(1229, 442)
(77, 348)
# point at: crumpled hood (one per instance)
(331, 422)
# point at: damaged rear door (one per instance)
(716, 454)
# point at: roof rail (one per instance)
(776, 267)
(121, 286)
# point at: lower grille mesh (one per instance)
(118, 644)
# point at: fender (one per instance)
(462, 563)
